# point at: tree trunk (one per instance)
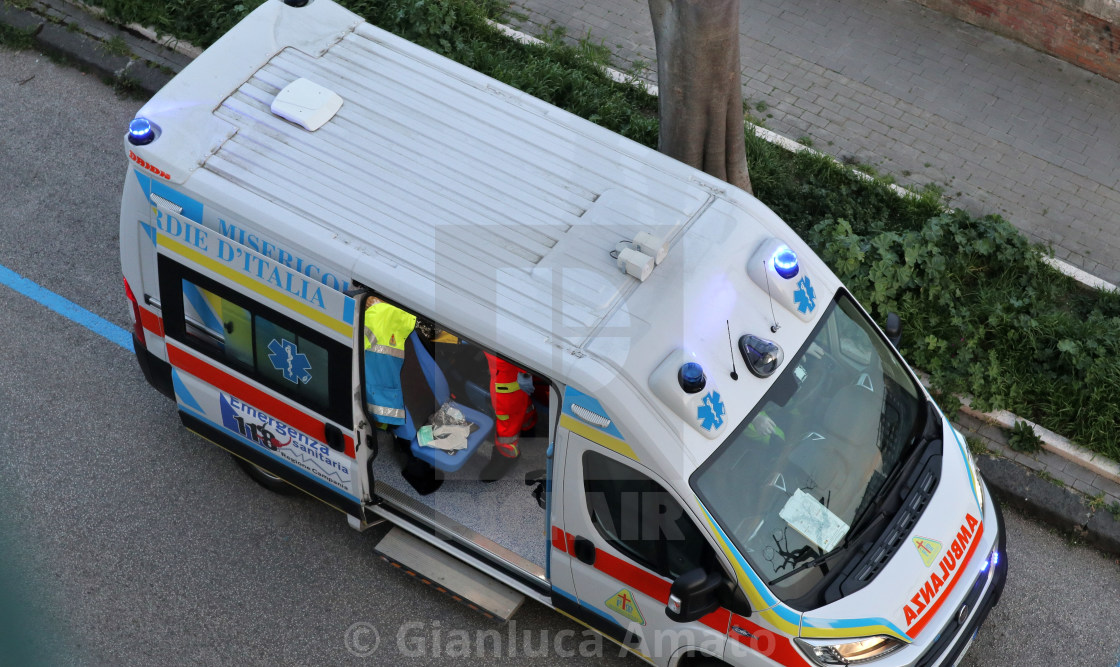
(699, 81)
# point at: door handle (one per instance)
(334, 438)
(584, 549)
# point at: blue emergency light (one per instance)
(141, 132)
(691, 377)
(785, 262)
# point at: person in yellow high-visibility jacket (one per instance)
(386, 329)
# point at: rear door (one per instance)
(263, 362)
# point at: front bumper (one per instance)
(955, 637)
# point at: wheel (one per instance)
(265, 478)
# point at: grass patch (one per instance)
(14, 38)
(127, 87)
(116, 46)
(977, 446)
(983, 314)
(1022, 438)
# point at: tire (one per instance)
(699, 660)
(265, 478)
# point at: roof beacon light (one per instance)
(691, 377)
(141, 132)
(785, 262)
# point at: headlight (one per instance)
(850, 653)
(977, 486)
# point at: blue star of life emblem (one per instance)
(294, 365)
(711, 411)
(805, 297)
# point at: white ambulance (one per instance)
(731, 463)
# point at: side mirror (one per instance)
(693, 596)
(894, 329)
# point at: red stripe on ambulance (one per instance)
(637, 578)
(558, 539)
(925, 602)
(250, 395)
(151, 322)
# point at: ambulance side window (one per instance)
(637, 516)
(247, 336)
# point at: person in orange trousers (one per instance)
(510, 389)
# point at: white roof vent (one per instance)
(306, 104)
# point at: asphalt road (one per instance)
(131, 541)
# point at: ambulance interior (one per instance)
(444, 376)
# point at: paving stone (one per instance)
(1084, 487)
(20, 20)
(1062, 476)
(1051, 461)
(1080, 473)
(1107, 485)
(1032, 463)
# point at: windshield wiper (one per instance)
(854, 533)
(917, 441)
(819, 560)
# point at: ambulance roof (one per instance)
(465, 198)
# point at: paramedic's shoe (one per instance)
(422, 476)
(497, 468)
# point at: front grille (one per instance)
(941, 644)
(895, 534)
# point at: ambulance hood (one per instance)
(933, 564)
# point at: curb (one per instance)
(1060, 507)
(77, 33)
(74, 35)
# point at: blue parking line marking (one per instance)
(66, 308)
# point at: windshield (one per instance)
(792, 478)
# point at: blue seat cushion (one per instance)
(452, 461)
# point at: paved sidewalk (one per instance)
(926, 98)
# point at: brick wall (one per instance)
(1082, 32)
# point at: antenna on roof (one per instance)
(734, 375)
(774, 327)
